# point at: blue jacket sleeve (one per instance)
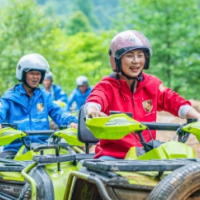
(72, 98)
(4, 106)
(59, 116)
(60, 94)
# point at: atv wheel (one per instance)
(182, 184)
(26, 193)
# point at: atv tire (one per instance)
(182, 184)
(26, 193)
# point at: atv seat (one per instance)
(84, 134)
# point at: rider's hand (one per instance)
(92, 111)
(96, 114)
(192, 113)
(73, 125)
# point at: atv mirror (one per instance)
(113, 127)
(70, 136)
(8, 135)
(193, 128)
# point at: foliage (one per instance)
(174, 33)
(27, 26)
(100, 13)
(78, 23)
(25, 29)
(79, 54)
(87, 9)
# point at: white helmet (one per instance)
(29, 62)
(82, 80)
(49, 75)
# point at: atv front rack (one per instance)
(137, 165)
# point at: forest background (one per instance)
(74, 37)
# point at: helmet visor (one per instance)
(119, 53)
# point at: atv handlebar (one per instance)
(5, 125)
(40, 132)
(161, 126)
(166, 126)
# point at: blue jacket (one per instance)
(30, 113)
(57, 93)
(78, 97)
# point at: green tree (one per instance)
(87, 8)
(173, 30)
(78, 23)
(79, 54)
(24, 30)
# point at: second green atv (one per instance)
(39, 172)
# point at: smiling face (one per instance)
(133, 62)
(33, 78)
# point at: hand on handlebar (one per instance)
(96, 114)
(73, 125)
(92, 111)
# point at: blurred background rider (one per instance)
(56, 90)
(80, 94)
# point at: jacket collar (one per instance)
(15, 94)
(121, 84)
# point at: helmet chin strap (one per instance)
(138, 78)
(33, 88)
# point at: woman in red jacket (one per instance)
(131, 90)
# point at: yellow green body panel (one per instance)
(8, 135)
(59, 178)
(70, 136)
(14, 176)
(131, 155)
(29, 155)
(113, 127)
(169, 150)
(193, 128)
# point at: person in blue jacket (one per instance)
(56, 90)
(80, 94)
(27, 106)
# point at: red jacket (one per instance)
(150, 96)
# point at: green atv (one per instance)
(165, 171)
(39, 171)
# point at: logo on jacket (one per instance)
(40, 107)
(147, 105)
